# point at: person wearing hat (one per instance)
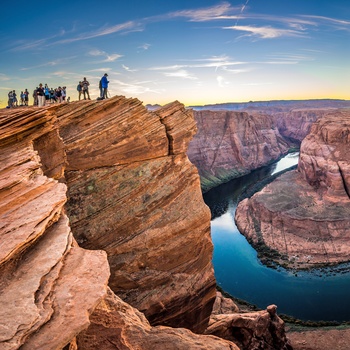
(104, 86)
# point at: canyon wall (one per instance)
(304, 214)
(121, 176)
(115, 179)
(295, 124)
(133, 193)
(231, 144)
(48, 284)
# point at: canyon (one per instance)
(304, 214)
(105, 238)
(235, 138)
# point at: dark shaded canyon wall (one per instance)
(133, 193)
(304, 214)
(295, 124)
(230, 144)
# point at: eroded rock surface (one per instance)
(304, 214)
(48, 284)
(231, 144)
(249, 330)
(133, 193)
(295, 124)
(117, 325)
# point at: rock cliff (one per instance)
(133, 193)
(115, 179)
(304, 214)
(295, 124)
(231, 144)
(48, 284)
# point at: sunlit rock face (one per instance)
(49, 285)
(133, 193)
(117, 325)
(305, 214)
(230, 144)
(249, 330)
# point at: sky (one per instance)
(194, 51)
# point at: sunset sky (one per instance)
(194, 51)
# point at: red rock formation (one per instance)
(230, 144)
(133, 193)
(296, 124)
(48, 284)
(248, 329)
(304, 214)
(117, 325)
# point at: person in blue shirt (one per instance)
(104, 86)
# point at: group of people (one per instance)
(83, 88)
(13, 100)
(43, 95)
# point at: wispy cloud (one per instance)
(59, 61)
(213, 62)
(222, 82)
(217, 12)
(29, 45)
(99, 70)
(137, 88)
(181, 73)
(107, 57)
(4, 77)
(336, 23)
(127, 27)
(128, 69)
(207, 13)
(287, 58)
(144, 46)
(266, 32)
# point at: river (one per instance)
(320, 295)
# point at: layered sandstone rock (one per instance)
(305, 214)
(48, 284)
(230, 144)
(117, 325)
(295, 124)
(133, 193)
(251, 330)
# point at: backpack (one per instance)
(79, 87)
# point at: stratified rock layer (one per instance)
(305, 214)
(231, 144)
(117, 325)
(296, 124)
(251, 330)
(48, 284)
(133, 193)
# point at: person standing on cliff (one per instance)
(104, 86)
(40, 92)
(86, 84)
(26, 97)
